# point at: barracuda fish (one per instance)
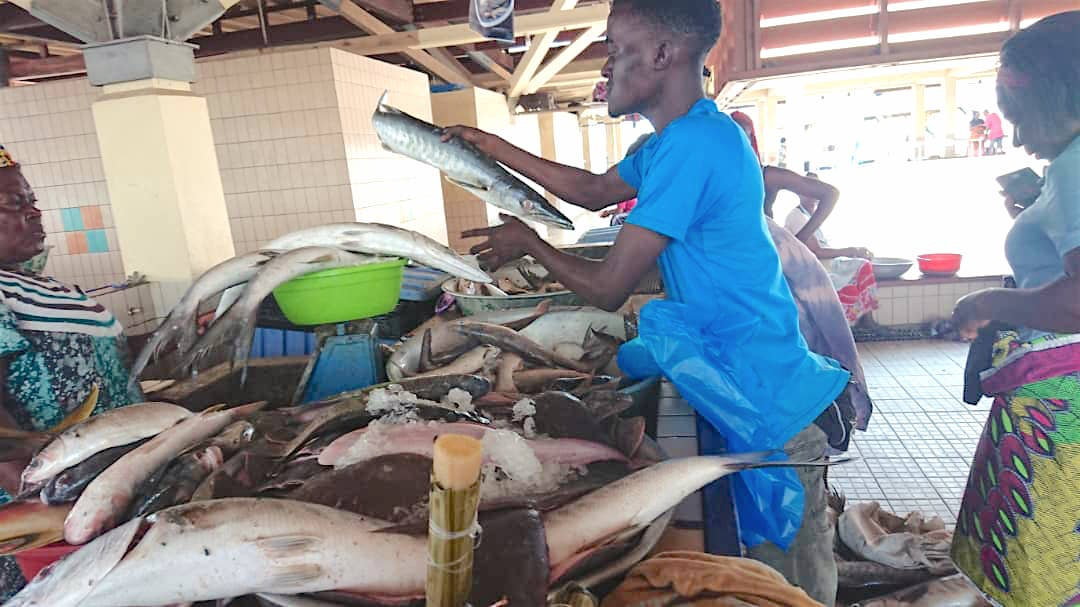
(232, 547)
(464, 165)
(419, 439)
(372, 238)
(179, 327)
(237, 327)
(109, 429)
(382, 239)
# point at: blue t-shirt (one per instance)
(1049, 228)
(699, 184)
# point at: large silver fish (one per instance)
(103, 431)
(108, 496)
(179, 326)
(231, 547)
(463, 165)
(373, 238)
(382, 239)
(237, 327)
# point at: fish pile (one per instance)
(463, 165)
(329, 499)
(521, 351)
(521, 277)
(248, 279)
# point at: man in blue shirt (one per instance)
(699, 213)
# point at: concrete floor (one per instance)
(918, 448)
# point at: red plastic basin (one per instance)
(939, 264)
(33, 561)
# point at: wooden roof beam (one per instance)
(455, 35)
(534, 56)
(443, 64)
(565, 56)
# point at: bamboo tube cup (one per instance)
(455, 495)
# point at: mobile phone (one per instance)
(1023, 186)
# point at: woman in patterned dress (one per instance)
(1018, 533)
(55, 342)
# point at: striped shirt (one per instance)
(44, 304)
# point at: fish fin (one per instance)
(425, 352)
(382, 102)
(475, 190)
(818, 463)
(216, 408)
(79, 414)
(284, 546)
(320, 259)
(294, 575)
(31, 540)
(352, 246)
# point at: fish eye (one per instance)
(527, 204)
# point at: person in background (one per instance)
(619, 212)
(978, 134)
(55, 342)
(800, 216)
(777, 179)
(849, 269)
(995, 134)
(1018, 530)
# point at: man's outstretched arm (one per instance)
(576, 186)
(605, 283)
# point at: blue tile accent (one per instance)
(72, 219)
(96, 241)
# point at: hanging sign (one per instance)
(492, 19)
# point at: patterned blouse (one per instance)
(58, 343)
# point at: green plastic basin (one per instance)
(342, 294)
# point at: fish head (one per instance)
(530, 205)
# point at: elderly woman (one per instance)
(1018, 533)
(55, 342)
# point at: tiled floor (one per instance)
(916, 453)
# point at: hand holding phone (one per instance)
(1022, 187)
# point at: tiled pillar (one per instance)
(164, 183)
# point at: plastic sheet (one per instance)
(704, 365)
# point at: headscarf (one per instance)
(6, 159)
(748, 125)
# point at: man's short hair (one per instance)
(698, 20)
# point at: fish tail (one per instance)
(149, 351)
(241, 348)
(189, 334)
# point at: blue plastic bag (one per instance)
(705, 365)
